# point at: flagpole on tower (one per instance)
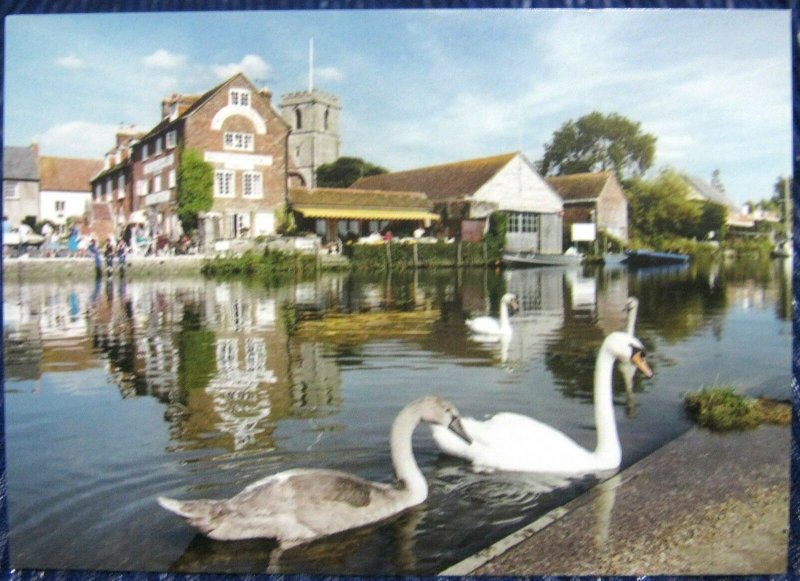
(310, 64)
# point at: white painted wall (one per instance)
(75, 204)
(517, 187)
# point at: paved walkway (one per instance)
(703, 504)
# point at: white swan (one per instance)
(298, 506)
(509, 441)
(489, 328)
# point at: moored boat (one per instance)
(535, 259)
(652, 258)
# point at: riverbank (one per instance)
(66, 268)
(706, 503)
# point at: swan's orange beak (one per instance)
(641, 364)
(457, 428)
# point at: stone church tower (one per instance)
(314, 140)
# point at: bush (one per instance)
(438, 255)
(722, 409)
(272, 264)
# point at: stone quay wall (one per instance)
(78, 268)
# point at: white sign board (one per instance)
(584, 232)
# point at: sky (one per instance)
(423, 87)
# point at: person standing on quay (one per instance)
(94, 252)
(72, 241)
(108, 251)
(122, 252)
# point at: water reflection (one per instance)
(227, 382)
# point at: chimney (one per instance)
(267, 93)
(35, 149)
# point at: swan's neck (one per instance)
(504, 322)
(631, 322)
(608, 449)
(411, 479)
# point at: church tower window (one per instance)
(298, 119)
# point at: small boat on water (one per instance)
(523, 259)
(652, 258)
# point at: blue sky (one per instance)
(424, 87)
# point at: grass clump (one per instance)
(721, 409)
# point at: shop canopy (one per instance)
(365, 213)
(353, 204)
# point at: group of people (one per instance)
(118, 249)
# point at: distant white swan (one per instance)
(489, 328)
(298, 506)
(626, 368)
(509, 441)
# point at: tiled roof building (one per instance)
(595, 198)
(472, 190)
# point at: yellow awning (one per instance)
(365, 214)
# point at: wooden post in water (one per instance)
(458, 254)
(388, 255)
(416, 256)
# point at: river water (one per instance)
(116, 393)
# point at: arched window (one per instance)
(327, 114)
(298, 119)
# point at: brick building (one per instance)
(593, 198)
(237, 130)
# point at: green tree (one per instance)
(598, 142)
(660, 209)
(713, 218)
(343, 172)
(195, 188)
(782, 200)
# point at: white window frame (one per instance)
(157, 146)
(157, 183)
(145, 153)
(172, 139)
(60, 207)
(171, 179)
(12, 188)
(252, 184)
(237, 141)
(141, 187)
(121, 187)
(239, 97)
(224, 183)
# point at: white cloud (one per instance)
(78, 139)
(253, 66)
(70, 62)
(331, 74)
(163, 59)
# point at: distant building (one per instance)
(65, 188)
(112, 186)
(471, 190)
(703, 191)
(20, 183)
(313, 117)
(595, 198)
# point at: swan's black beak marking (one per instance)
(638, 359)
(456, 427)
